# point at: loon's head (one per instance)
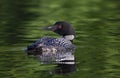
(64, 29)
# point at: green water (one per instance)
(97, 25)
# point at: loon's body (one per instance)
(53, 50)
(56, 50)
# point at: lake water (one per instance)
(97, 25)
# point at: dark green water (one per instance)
(97, 24)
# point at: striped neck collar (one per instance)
(69, 37)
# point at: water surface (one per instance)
(97, 36)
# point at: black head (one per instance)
(62, 28)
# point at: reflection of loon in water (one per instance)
(58, 51)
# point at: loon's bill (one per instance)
(51, 28)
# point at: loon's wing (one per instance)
(50, 43)
(58, 44)
(40, 42)
(57, 49)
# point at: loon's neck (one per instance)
(69, 37)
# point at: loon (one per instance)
(58, 51)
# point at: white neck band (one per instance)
(69, 37)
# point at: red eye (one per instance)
(59, 27)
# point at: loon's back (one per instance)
(50, 49)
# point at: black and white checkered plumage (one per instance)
(52, 50)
